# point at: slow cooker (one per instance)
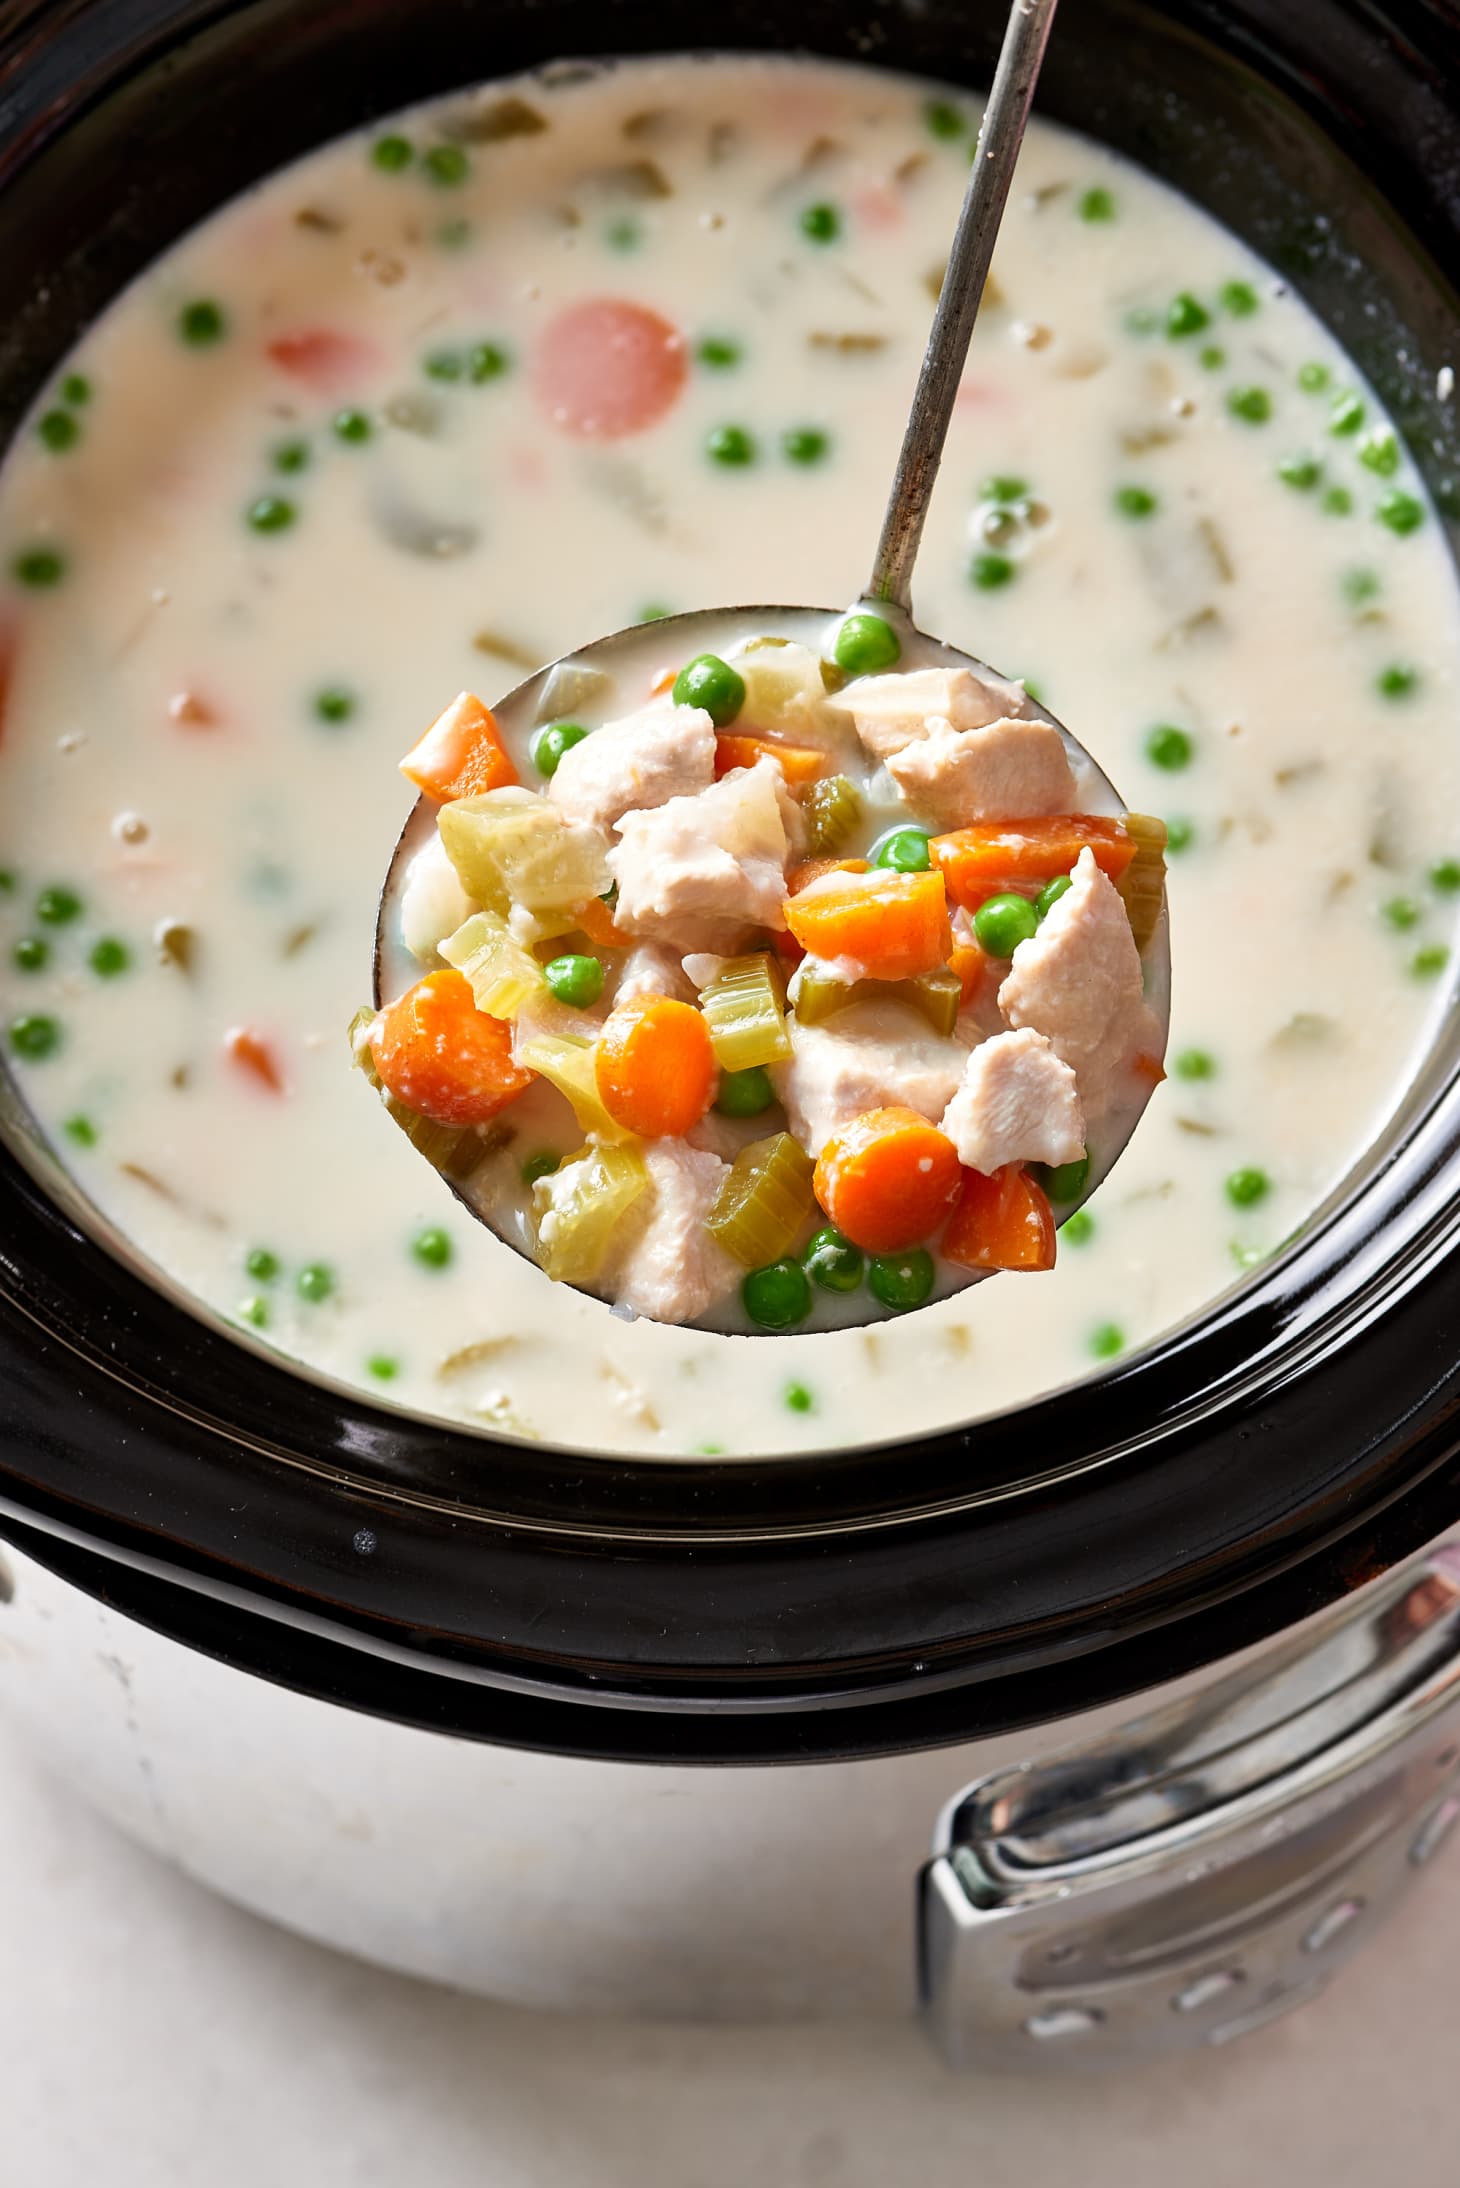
(1112, 1725)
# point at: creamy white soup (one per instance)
(322, 459)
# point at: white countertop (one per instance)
(153, 2037)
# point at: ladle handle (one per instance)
(1000, 135)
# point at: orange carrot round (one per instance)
(896, 925)
(887, 1179)
(980, 861)
(656, 1069)
(607, 367)
(1001, 1222)
(444, 1058)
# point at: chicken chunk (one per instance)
(700, 871)
(670, 1267)
(662, 752)
(433, 903)
(869, 1056)
(893, 711)
(653, 968)
(1005, 771)
(1017, 1103)
(1078, 982)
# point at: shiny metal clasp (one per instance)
(1209, 1865)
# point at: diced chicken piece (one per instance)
(1017, 1103)
(1078, 981)
(670, 1268)
(869, 1056)
(893, 711)
(1005, 771)
(433, 903)
(662, 752)
(700, 871)
(653, 968)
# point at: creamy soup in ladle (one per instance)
(320, 459)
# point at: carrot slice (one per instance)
(664, 681)
(895, 925)
(970, 964)
(461, 754)
(607, 368)
(251, 1052)
(811, 869)
(1001, 1222)
(441, 1056)
(597, 922)
(1145, 1065)
(323, 357)
(798, 763)
(978, 862)
(887, 1179)
(656, 1068)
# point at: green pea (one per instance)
(731, 445)
(575, 980)
(798, 1398)
(1107, 1340)
(1427, 962)
(1184, 315)
(905, 851)
(541, 1165)
(76, 390)
(1313, 378)
(1136, 502)
(432, 1247)
(745, 1093)
(256, 1312)
(821, 223)
(833, 1261)
(351, 425)
(39, 568)
(1403, 912)
(943, 119)
(1168, 747)
(805, 444)
(390, 154)
(1097, 204)
(34, 1036)
(383, 1367)
(1239, 298)
(1347, 414)
(1379, 451)
(865, 643)
(1051, 893)
(1398, 681)
(1252, 404)
(1246, 1187)
(1359, 586)
(58, 906)
(1401, 512)
(315, 1281)
(1211, 358)
(291, 456)
(109, 956)
(550, 743)
(202, 322)
(988, 572)
(624, 234)
(1004, 487)
(1066, 1181)
(653, 611)
(30, 952)
(718, 351)
(1195, 1063)
(271, 513)
(58, 431)
(777, 1296)
(1001, 923)
(712, 684)
(446, 165)
(444, 364)
(1078, 1229)
(1338, 501)
(901, 1281)
(333, 703)
(7, 881)
(1445, 876)
(486, 361)
(81, 1131)
(1300, 471)
(262, 1265)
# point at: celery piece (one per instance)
(936, 995)
(743, 1007)
(1142, 886)
(454, 1151)
(765, 1203)
(819, 995)
(579, 1208)
(360, 1055)
(833, 807)
(513, 847)
(570, 1064)
(503, 975)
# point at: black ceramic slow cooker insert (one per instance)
(1255, 1464)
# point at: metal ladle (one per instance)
(888, 592)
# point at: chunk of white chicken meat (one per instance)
(868, 1056)
(1018, 1103)
(893, 711)
(1006, 771)
(700, 871)
(1078, 982)
(662, 752)
(668, 1266)
(433, 903)
(653, 968)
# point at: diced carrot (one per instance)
(596, 921)
(656, 1068)
(461, 754)
(978, 862)
(1147, 1066)
(326, 359)
(441, 1056)
(787, 949)
(607, 367)
(252, 1054)
(811, 869)
(887, 1179)
(191, 710)
(663, 682)
(798, 763)
(971, 965)
(896, 925)
(1001, 1222)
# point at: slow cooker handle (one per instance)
(1209, 1865)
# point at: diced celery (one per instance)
(502, 973)
(819, 995)
(580, 1207)
(766, 1201)
(937, 995)
(513, 847)
(360, 1055)
(744, 1009)
(454, 1151)
(571, 1065)
(1143, 884)
(833, 808)
(572, 688)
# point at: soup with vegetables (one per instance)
(448, 399)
